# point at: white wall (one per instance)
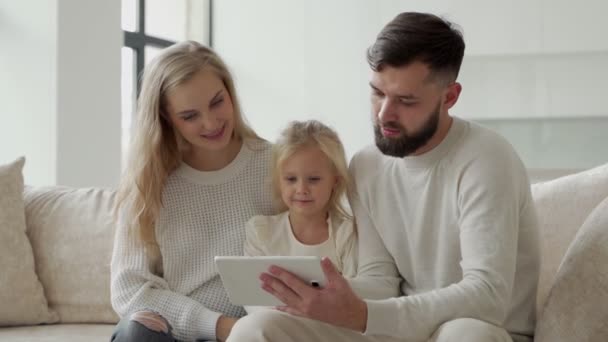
(298, 60)
(28, 56)
(540, 59)
(88, 93)
(60, 90)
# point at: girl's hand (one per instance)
(223, 327)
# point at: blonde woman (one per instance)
(196, 174)
(310, 181)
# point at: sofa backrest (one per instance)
(71, 232)
(563, 204)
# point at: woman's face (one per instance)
(201, 111)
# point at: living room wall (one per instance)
(27, 68)
(60, 90)
(534, 70)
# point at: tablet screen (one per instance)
(240, 276)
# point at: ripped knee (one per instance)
(151, 320)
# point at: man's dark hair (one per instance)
(420, 37)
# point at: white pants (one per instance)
(276, 326)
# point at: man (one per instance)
(441, 203)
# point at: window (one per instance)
(149, 26)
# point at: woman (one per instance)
(197, 172)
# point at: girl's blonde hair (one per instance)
(300, 134)
(156, 148)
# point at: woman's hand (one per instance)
(223, 327)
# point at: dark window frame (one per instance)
(139, 40)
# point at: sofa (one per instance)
(56, 243)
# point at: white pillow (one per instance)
(576, 306)
(22, 300)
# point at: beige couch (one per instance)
(70, 234)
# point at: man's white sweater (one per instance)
(203, 215)
(457, 226)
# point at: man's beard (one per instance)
(408, 142)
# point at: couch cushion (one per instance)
(58, 333)
(563, 205)
(543, 175)
(575, 309)
(22, 298)
(71, 231)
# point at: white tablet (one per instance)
(241, 276)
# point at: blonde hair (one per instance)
(156, 148)
(301, 134)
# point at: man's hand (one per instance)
(335, 304)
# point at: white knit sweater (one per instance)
(273, 235)
(203, 215)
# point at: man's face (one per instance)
(407, 108)
(404, 142)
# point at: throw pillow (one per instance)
(21, 295)
(72, 233)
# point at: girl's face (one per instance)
(307, 180)
(201, 111)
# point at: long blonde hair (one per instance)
(156, 148)
(300, 134)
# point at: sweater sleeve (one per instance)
(255, 244)
(134, 287)
(346, 245)
(377, 276)
(488, 208)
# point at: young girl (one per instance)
(310, 181)
(196, 174)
